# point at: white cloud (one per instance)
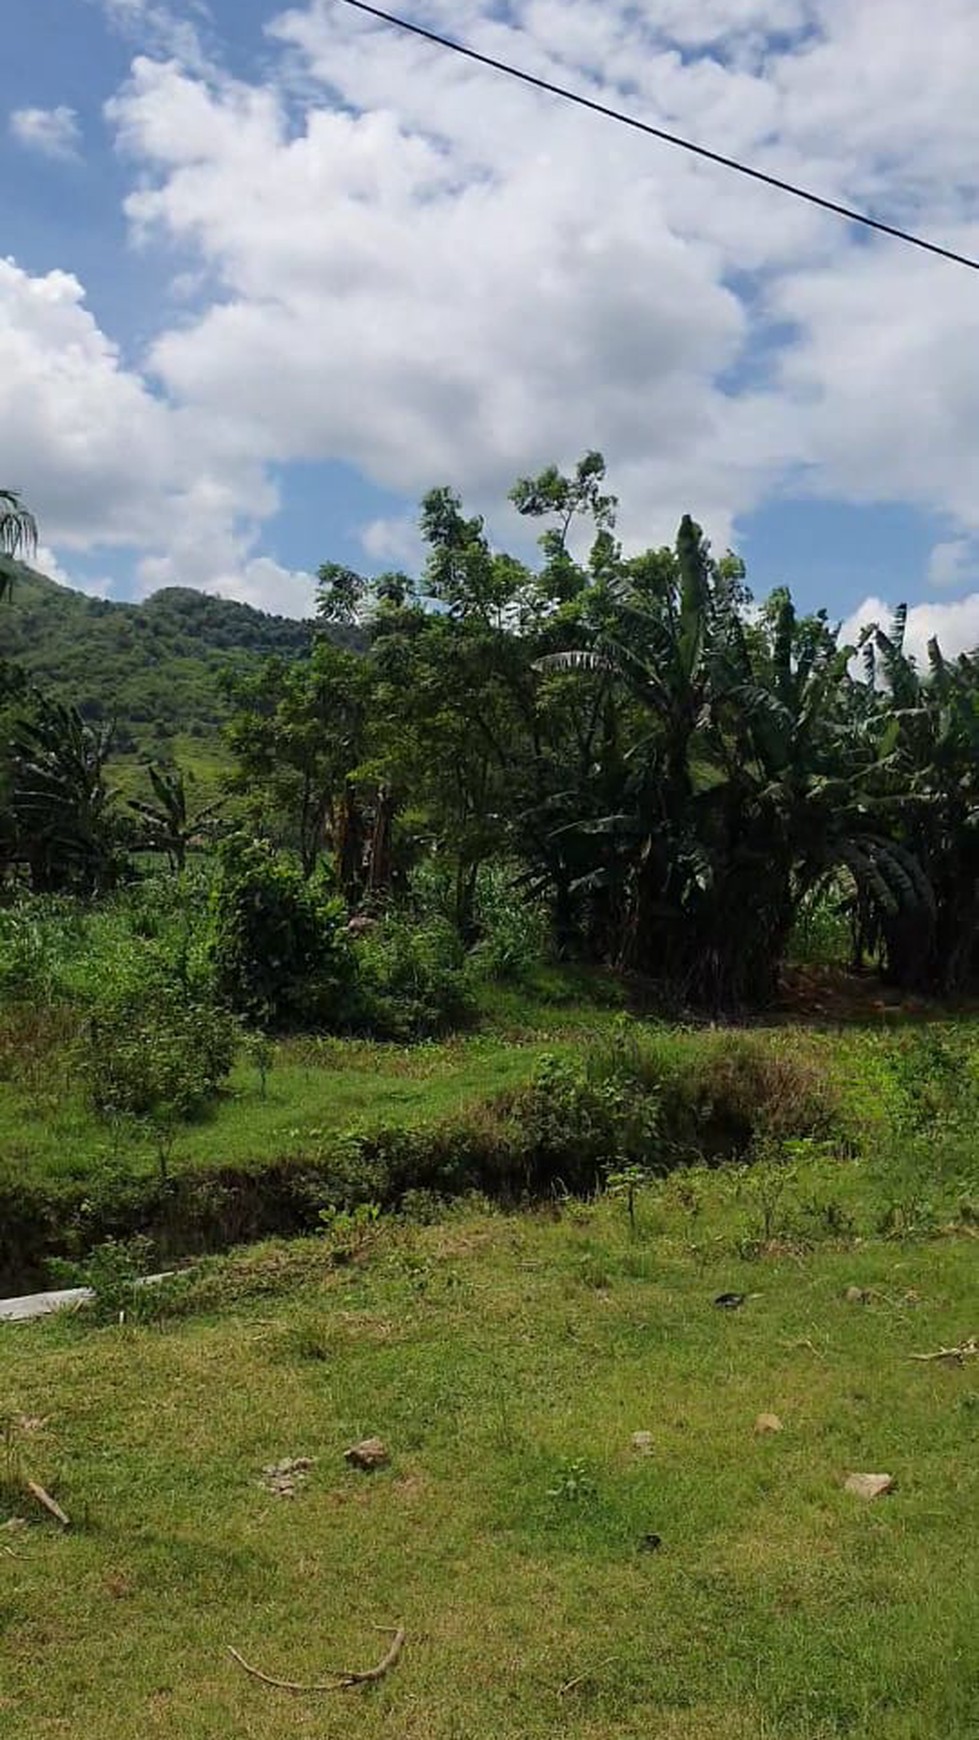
(163, 29)
(396, 540)
(269, 586)
(51, 132)
(953, 563)
(105, 463)
(393, 258)
(954, 625)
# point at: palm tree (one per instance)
(18, 536)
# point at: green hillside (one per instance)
(153, 667)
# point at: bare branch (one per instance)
(339, 1681)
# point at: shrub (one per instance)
(411, 979)
(577, 1122)
(280, 949)
(738, 1089)
(35, 938)
(514, 930)
(156, 1055)
(933, 1069)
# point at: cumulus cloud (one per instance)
(953, 563)
(397, 259)
(51, 132)
(954, 625)
(108, 464)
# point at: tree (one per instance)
(18, 536)
(926, 726)
(64, 812)
(168, 825)
(298, 734)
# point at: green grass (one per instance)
(315, 1091)
(507, 1363)
(318, 1090)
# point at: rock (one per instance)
(869, 1485)
(283, 1477)
(767, 1423)
(857, 1296)
(369, 1454)
(642, 1443)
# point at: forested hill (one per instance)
(154, 666)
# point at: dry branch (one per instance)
(579, 1679)
(968, 1350)
(340, 1680)
(49, 1503)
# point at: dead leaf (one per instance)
(869, 1485)
(767, 1423)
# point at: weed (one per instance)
(259, 1051)
(574, 1484)
(350, 1231)
(626, 1184)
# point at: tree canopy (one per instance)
(672, 769)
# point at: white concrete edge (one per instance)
(31, 1305)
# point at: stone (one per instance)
(282, 1478)
(642, 1443)
(369, 1454)
(869, 1485)
(766, 1423)
(857, 1296)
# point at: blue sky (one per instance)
(267, 273)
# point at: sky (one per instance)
(267, 275)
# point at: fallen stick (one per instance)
(569, 1685)
(968, 1350)
(339, 1681)
(48, 1502)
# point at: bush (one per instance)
(156, 1055)
(36, 936)
(412, 981)
(514, 930)
(280, 949)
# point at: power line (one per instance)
(515, 72)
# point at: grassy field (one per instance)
(319, 1089)
(507, 1363)
(315, 1090)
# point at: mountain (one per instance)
(153, 667)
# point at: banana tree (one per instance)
(64, 812)
(168, 825)
(929, 929)
(741, 783)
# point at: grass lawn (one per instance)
(507, 1362)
